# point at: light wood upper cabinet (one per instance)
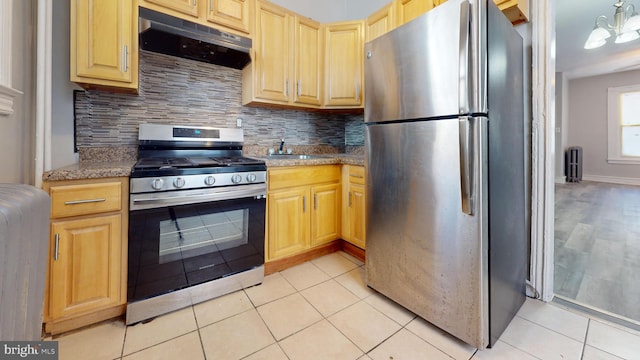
(308, 62)
(344, 64)
(188, 7)
(408, 10)
(104, 44)
(287, 64)
(234, 14)
(272, 56)
(516, 10)
(381, 22)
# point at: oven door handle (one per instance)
(154, 200)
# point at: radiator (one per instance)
(24, 245)
(573, 164)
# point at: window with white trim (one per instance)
(624, 125)
(7, 93)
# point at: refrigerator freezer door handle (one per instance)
(463, 59)
(467, 176)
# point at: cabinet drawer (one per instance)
(356, 174)
(303, 175)
(73, 200)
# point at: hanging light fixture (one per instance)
(626, 23)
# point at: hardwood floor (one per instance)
(597, 246)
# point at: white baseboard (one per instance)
(612, 179)
(561, 179)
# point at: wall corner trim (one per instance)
(7, 95)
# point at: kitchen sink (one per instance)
(295, 156)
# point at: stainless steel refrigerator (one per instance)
(444, 137)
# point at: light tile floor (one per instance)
(597, 246)
(323, 310)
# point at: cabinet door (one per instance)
(380, 22)
(357, 215)
(411, 9)
(102, 41)
(308, 62)
(85, 272)
(230, 13)
(288, 222)
(325, 214)
(189, 7)
(272, 53)
(343, 64)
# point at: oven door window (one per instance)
(171, 248)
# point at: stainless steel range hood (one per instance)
(172, 36)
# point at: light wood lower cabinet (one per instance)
(303, 208)
(354, 205)
(88, 252)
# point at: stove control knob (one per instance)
(156, 184)
(178, 182)
(236, 179)
(251, 178)
(209, 180)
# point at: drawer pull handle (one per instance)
(315, 201)
(75, 202)
(357, 176)
(57, 247)
(349, 198)
(304, 203)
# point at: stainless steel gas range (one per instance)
(196, 220)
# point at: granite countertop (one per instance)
(104, 169)
(90, 170)
(321, 159)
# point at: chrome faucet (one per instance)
(280, 151)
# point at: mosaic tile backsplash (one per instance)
(180, 91)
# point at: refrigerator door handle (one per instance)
(464, 60)
(467, 176)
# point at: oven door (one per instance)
(183, 238)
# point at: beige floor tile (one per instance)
(103, 341)
(405, 345)
(364, 325)
(351, 258)
(271, 352)
(160, 329)
(502, 351)
(440, 339)
(273, 287)
(613, 340)
(540, 341)
(220, 308)
(334, 264)
(184, 347)
(235, 337)
(329, 297)
(364, 357)
(591, 353)
(304, 275)
(555, 318)
(390, 308)
(288, 315)
(354, 281)
(320, 341)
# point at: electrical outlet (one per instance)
(239, 122)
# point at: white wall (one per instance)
(17, 130)
(62, 152)
(587, 123)
(332, 10)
